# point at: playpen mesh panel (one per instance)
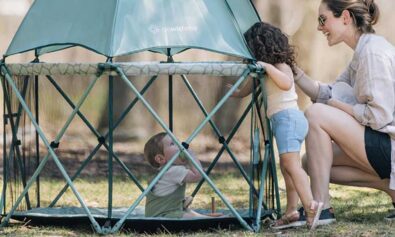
(20, 157)
(23, 153)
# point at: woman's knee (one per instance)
(316, 112)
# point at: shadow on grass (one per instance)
(362, 206)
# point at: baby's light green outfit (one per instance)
(166, 198)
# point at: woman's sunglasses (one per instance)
(321, 20)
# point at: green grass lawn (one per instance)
(359, 212)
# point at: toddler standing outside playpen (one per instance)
(167, 197)
(272, 50)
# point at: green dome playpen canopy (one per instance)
(120, 27)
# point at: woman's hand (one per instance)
(306, 84)
(333, 102)
(341, 105)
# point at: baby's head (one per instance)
(159, 149)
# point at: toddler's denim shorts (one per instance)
(290, 127)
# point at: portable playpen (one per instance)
(123, 27)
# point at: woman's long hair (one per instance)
(365, 13)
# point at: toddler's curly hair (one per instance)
(268, 44)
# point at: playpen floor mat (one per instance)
(136, 221)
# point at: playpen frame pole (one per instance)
(37, 137)
(269, 148)
(170, 81)
(252, 174)
(110, 144)
(5, 178)
(261, 188)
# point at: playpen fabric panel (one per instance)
(71, 22)
(131, 69)
(120, 27)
